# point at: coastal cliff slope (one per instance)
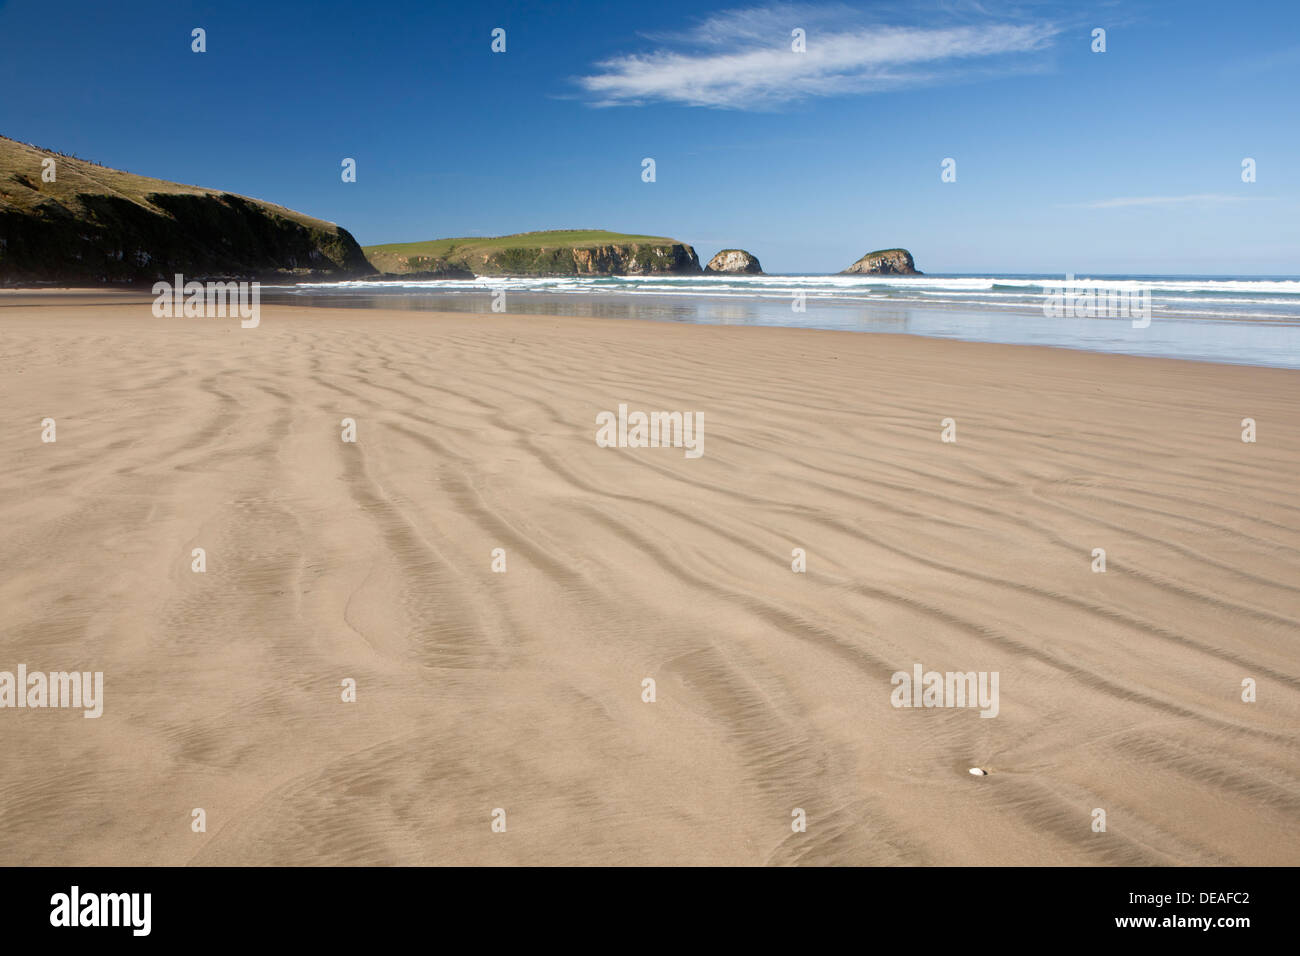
(93, 224)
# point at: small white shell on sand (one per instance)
(978, 772)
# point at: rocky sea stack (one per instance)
(734, 260)
(885, 262)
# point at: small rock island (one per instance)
(885, 262)
(734, 261)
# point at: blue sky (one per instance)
(1127, 161)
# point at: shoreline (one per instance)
(17, 299)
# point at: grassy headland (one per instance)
(552, 252)
(64, 219)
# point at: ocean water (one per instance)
(1245, 321)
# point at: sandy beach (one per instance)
(478, 690)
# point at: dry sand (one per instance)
(523, 690)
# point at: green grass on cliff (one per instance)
(67, 219)
(22, 188)
(525, 253)
(567, 238)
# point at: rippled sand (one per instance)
(523, 690)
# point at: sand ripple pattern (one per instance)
(522, 690)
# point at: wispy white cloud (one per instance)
(742, 59)
(1196, 199)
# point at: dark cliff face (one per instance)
(115, 240)
(94, 224)
(885, 262)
